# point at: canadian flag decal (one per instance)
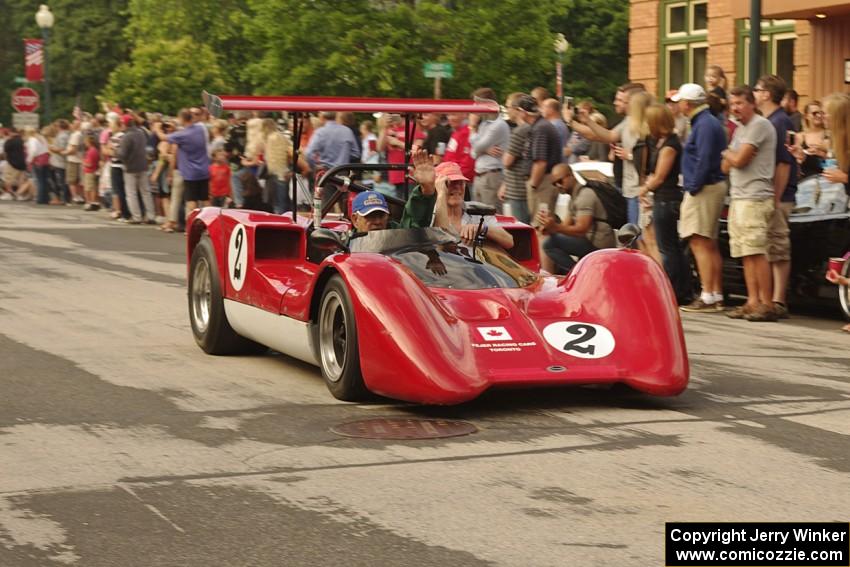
(494, 334)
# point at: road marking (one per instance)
(151, 507)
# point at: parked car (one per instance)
(820, 230)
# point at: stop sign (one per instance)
(25, 100)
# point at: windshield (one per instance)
(439, 260)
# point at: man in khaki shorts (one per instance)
(74, 161)
(769, 92)
(705, 191)
(751, 162)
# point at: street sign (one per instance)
(25, 99)
(24, 120)
(435, 70)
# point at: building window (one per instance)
(677, 15)
(684, 46)
(776, 53)
(699, 17)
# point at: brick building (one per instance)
(807, 43)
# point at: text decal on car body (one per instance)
(582, 340)
(237, 257)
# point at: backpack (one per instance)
(612, 201)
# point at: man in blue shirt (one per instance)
(705, 190)
(331, 145)
(193, 161)
(769, 91)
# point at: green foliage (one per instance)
(165, 75)
(219, 24)
(358, 47)
(597, 61)
(86, 43)
(160, 55)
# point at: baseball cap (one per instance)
(451, 170)
(368, 202)
(527, 103)
(126, 120)
(690, 92)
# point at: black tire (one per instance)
(339, 352)
(209, 322)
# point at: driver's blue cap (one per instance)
(369, 202)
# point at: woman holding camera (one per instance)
(662, 183)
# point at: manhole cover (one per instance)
(398, 428)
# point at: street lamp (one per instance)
(561, 45)
(44, 19)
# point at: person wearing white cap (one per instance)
(705, 190)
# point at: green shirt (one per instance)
(419, 209)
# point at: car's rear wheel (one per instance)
(844, 290)
(210, 327)
(339, 354)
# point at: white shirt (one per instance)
(35, 147)
(76, 140)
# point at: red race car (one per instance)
(415, 315)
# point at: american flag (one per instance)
(33, 59)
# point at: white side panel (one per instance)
(283, 334)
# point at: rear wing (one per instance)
(217, 104)
(299, 105)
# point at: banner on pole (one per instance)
(34, 60)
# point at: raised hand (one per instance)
(423, 170)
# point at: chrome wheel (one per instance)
(201, 295)
(333, 337)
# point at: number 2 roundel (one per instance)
(237, 257)
(582, 340)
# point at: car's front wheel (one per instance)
(339, 355)
(210, 327)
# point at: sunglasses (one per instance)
(818, 113)
(559, 183)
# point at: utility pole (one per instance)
(755, 42)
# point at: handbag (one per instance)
(640, 152)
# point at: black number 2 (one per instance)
(237, 265)
(587, 333)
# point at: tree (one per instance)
(86, 43)
(219, 24)
(361, 47)
(165, 75)
(596, 63)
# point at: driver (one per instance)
(438, 201)
(370, 212)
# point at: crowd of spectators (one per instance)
(676, 163)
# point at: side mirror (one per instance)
(329, 240)
(474, 208)
(628, 234)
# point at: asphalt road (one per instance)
(122, 444)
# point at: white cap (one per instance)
(690, 92)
